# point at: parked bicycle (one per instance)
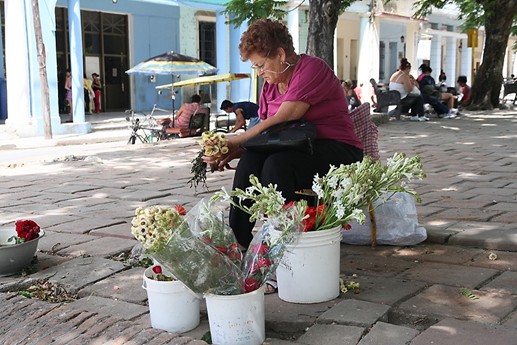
(143, 127)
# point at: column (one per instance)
(466, 60)
(17, 67)
(221, 56)
(293, 21)
(76, 59)
(240, 89)
(450, 61)
(436, 55)
(368, 65)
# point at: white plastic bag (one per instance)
(397, 223)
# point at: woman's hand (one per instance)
(221, 162)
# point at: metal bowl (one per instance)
(15, 257)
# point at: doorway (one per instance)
(105, 47)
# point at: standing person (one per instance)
(89, 95)
(402, 82)
(464, 98)
(97, 87)
(295, 87)
(243, 111)
(68, 88)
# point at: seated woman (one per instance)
(432, 96)
(295, 87)
(180, 124)
(400, 81)
(351, 96)
(464, 98)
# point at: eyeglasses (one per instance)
(261, 69)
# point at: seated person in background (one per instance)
(183, 115)
(351, 96)
(464, 98)
(243, 111)
(431, 94)
(400, 81)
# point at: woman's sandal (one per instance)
(271, 287)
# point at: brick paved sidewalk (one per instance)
(469, 208)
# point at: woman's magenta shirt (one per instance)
(313, 82)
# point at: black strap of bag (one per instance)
(291, 135)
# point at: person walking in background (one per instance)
(243, 111)
(68, 88)
(464, 98)
(97, 87)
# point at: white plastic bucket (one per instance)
(172, 306)
(237, 319)
(309, 270)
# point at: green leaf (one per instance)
(467, 293)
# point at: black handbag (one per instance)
(291, 135)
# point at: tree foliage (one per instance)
(323, 16)
(241, 11)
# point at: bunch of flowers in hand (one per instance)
(213, 144)
(26, 230)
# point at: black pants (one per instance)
(415, 103)
(290, 171)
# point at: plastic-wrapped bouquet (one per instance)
(200, 250)
(213, 144)
(266, 249)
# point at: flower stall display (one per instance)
(201, 251)
(18, 245)
(339, 198)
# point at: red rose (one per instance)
(157, 269)
(222, 249)
(181, 210)
(263, 262)
(233, 246)
(235, 255)
(347, 227)
(250, 284)
(27, 229)
(260, 249)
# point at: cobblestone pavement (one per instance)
(84, 196)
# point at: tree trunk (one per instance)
(42, 62)
(488, 80)
(323, 16)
